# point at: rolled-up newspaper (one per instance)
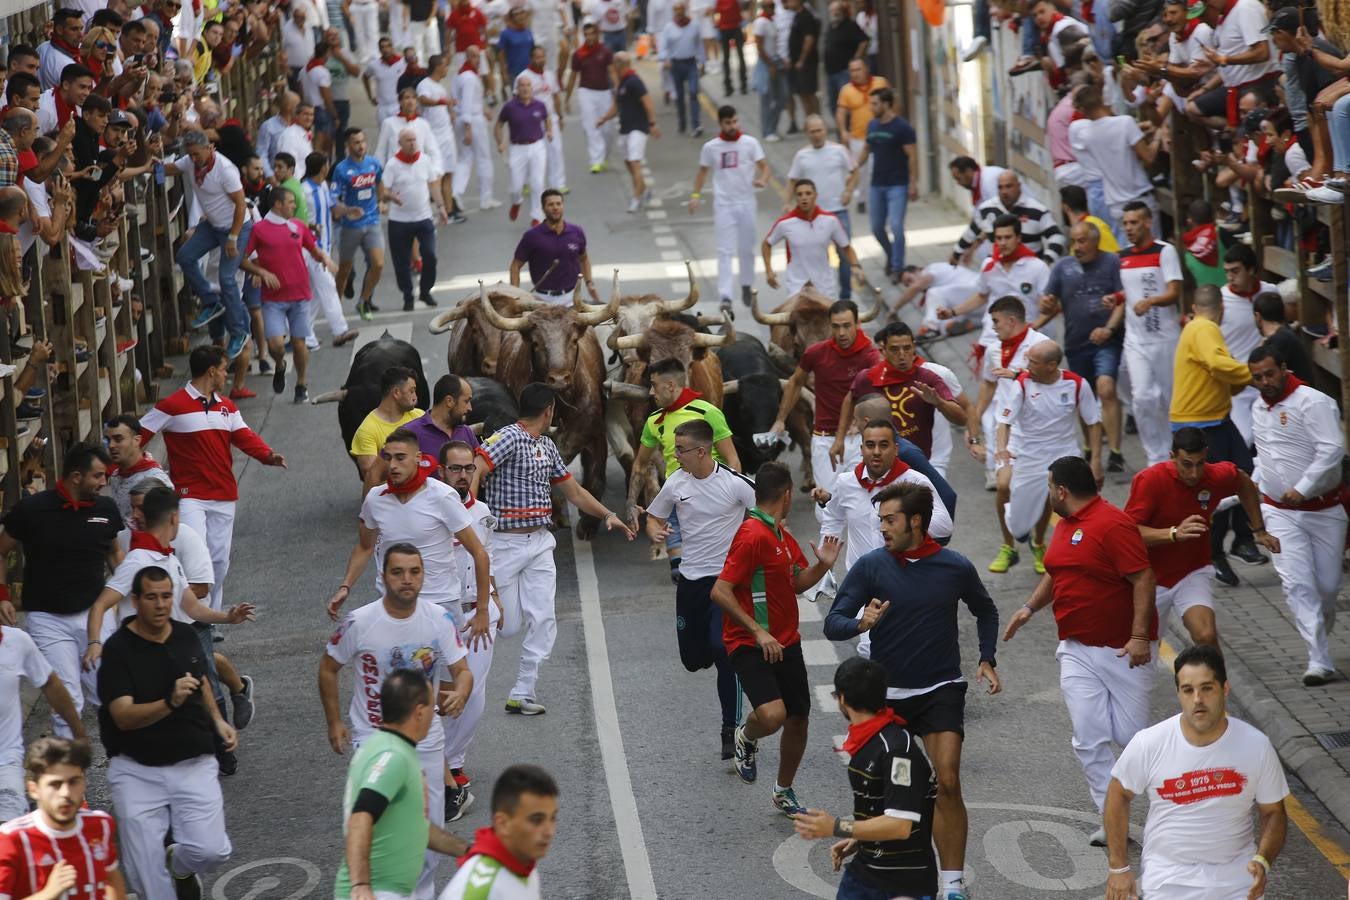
(767, 439)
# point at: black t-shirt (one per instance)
(804, 24)
(890, 772)
(1311, 76)
(420, 10)
(841, 44)
(1296, 357)
(632, 111)
(146, 671)
(65, 551)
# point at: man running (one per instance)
(827, 165)
(412, 179)
(131, 464)
(475, 156)
(528, 125)
(21, 659)
(711, 500)
(808, 232)
(397, 407)
(524, 822)
(451, 401)
(920, 648)
(555, 251)
(1015, 338)
(738, 168)
(757, 590)
(544, 80)
(592, 65)
(319, 201)
(637, 122)
(360, 198)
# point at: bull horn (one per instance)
(710, 340)
(710, 321)
(496, 319)
(778, 353)
(674, 306)
(520, 295)
(330, 397)
(442, 322)
(775, 318)
(628, 341)
(731, 387)
(877, 305)
(594, 315)
(623, 390)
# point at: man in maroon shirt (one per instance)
(914, 391)
(592, 65)
(1172, 502)
(834, 363)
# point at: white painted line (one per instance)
(820, 652)
(824, 702)
(667, 240)
(656, 213)
(660, 228)
(401, 330)
(676, 272)
(679, 287)
(655, 203)
(808, 611)
(672, 255)
(637, 866)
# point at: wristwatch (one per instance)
(843, 827)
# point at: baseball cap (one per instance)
(119, 118)
(1289, 18)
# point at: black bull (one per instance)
(360, 393)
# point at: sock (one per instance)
(778, 788)
(949, 879)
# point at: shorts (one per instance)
(323, 124)
(765, 682)
(941, 709)
(804, 80)
(1094, 362)
(1213, 103)
(1191, 591)
(635, 146)
(367, 237)
(283, 317)
(252, 293)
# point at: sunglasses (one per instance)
(103, 45)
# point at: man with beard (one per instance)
(451, 401)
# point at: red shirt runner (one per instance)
(761, 564)
(1088, 558)
(29, 850)
(912, 415)
(1159, 499)
(468, 23)
(834, 371)
(728, 14)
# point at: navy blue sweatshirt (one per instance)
(917, 639)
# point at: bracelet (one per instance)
(1264, 863)
(1141, 637)
(1174, 534)
(92, 643)
(1029, 608)
(1121, 871)
(345, 587)
(360, 884)
(695, 195)
(168, 701)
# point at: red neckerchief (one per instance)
(426, 464)
(468, 504)
(486, 843)
(1250, 295)
(1188, 29)
(403, 157)
(63, 111)
(687, 396)
(860, 343)
(95, 66)
(144, 463)
(467, 67)
(866, 89)
(1291, 384)
(1049, 29)
(409, 119)
(538, 71)
(586, 50)
(71, 501)
(144, 540)
(914, 554)
(390, 60)
(315, 63)
(1202, 242)
(199, 173)
(1089, 15)
(897, 469)
(1008, 348)
(883, 374)
(730, 138)
(69, 50)
(1227, 8)
(6, 228)
(797, 214)
(164, 22)
(862, 732)
(1022, 251)
(28, 160)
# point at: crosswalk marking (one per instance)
(820, 653)
(824, 702)
(808, 611)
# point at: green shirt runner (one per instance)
(659, 429)
(387, 764)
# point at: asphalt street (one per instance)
(647, 809)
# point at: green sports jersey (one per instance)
(387, 763)
(292, 185)
(659, 429)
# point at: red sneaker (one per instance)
(514, 213)
(242, 393)
(460, 777)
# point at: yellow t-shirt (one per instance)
(370, 437)
(1108, 241)
(859, 106)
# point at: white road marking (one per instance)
(671, 255)
(790, 861)
(637, 866)
(655, 203)
(269, 882)
(667, 240)
(808, 611)
(824, 702)
(656, 213)
(820, 652)
(1002, 846)
(400, 330)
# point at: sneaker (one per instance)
(772, 138)
(1325, 194)
(1024, 65)
(185, 887)
(1006, 559)
(457, 802)
(426, 300)
(1038, 558)
(1295, 192)
(744, 752)
(1232, 222)
(458, 218)
(1115, 462)
(1098, 838)
(312, 343)
(1249, 554)
(746, 295)
(958, 893)
(990, 480)
(1316, 676)
(1130, 426)
(364, 311)
(786, 800)
(598, 168)
(564, 190)
(206, 315)
(514, 212)
(242, 393)
(728, 741)
(1321, 271)
(975, 49)
(26, 411)
(227, 762)
(491, 204)
(634, 204)
(1223, 572)
(350, 290)
(237, 344)
(243, 704)
(408, 305)
(279, 377)
(264, 367)
(697, 132)
(524, 706)
(346, 337)
(301, 393)
(793, 129)
(461, 778)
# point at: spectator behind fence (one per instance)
(1115, 150)
(1242, 53)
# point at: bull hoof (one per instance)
(587, 526)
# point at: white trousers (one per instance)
(326, 296)
(476, 157)
(62, 641)
(1150, 369)
(151, 799)
(522, 566)
(595, 104)
(1107, 701)
(399, 31)
(1029, 490)
(449, 148)
(1242, 412)
(425, 39)
(528, 162)
(385, 110)
(940, 455)
(1309, 565)
(459, 732)
(1161, 879)
(987, 425)
(13, 797)
(855, 147)
(947, 297)
(734, 230)
(214, 521)
(365, 19)
(822, 470)
(557, 166)
(1192, 591)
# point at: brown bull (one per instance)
(802, 321)
(565, 355)
(476, 347)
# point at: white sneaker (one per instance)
(976, 46)
(1098, 838)
(312, 343)
(1316, 676)
(990, 480)
(634, 204)
(491, 204)
(771, 138)
(1325, 194)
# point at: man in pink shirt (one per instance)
(275, 255)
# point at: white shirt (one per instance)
(1026, 279)
(482, 871)
(191, 550)
(1199, 798)
(428, 520)
(1105, 148)
(1185, 52)
(782, 22)
(124, 575)
(1239, 324)
(386, 80)
(1299, 442)
(213, 194)
(766, 36)
(1236, 32)
(298, 42)
(1044, 417)
(808, 250)
(483, 523)
(312, 78)
(297, 142)
(427, 144)
(41, 209)
(829, 167)
(378, 644)
(46, 112)
(993, 357)
(610, 15)
(1053, 46)
(852, 516)
(19, 658)
(986, 180)
(437, 115)
(545, 90)
(546, 18)
(1145, 275)
(412, 183)
(733, 168)
(710, 511)
(50, 63)
(467, 89)
(120, 487)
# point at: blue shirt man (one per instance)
(515, 45)
(356, 182)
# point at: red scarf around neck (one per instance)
(144, 540)
(409, 159)
(469, 67)
(68, 49)
(1021, 252)
(687, 396)
(1008, 348)
(1227, 8)
(862, 732)
(883, 374)
(199, 173)
(898, 468)
(486, 843)
(426, 464)
(315, 63)
(1188, 29)
(390, 60)
(1048, 30)
(6, 228)
(914, 554)
(730, 137)
(72, 502)
(586, 50)
(63, 110)
(1291, 383)
(537, 71)
(144, 463)
(860, 343)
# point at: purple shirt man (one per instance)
(525, 121)
(541, 246)
(431, 437)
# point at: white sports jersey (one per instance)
(1200, 799)
(386, 76)
(1146, 272)
(828, 167)
(1015, 352)
(377, 644)
(1025, 279)
(191, 550)
(313, 78)
(484, 523)
(484, 878)
(19, 658)
(319, 202)
(1299, 442)
(852, 516)
(1044, 417)
(125, 574)
(437, 116)
(428, 520)
(808, 250)
(546, 87)
(1239, 323)
(733, 168)
(710, 511)
(467, 89)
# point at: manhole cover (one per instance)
(1334, 740)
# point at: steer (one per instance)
(493, 406)
(566, 356)
(800, 322)
(753, 392)
(477, 348)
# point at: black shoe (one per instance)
(227, 762)
(426, 300)
(1223, 572)
(728, 741)
(350, 290)
(1249, 554)
(1115, 462)
(279, 377)
(408, 305)
(1130, 427)
(27, 411)
(301, 394)
(185, 887)
(746, 291)
(792, 128)
(457, 802)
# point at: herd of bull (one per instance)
(503, 338)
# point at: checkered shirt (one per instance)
(522, 471)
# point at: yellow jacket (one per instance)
(1204, 376)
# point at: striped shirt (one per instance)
(522, 471)
(319, 197)
(198, 434)
(30, 850)
(1040, 232)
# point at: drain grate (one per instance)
(1333, 740)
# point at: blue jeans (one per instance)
(834, 83)
(770, 98)
(616, 41)
(886, 205)
(1031, 37)
(983, 24)
(850, 888)
(1338, 124)
(845, 282)
(684, 72)
(205, 238)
